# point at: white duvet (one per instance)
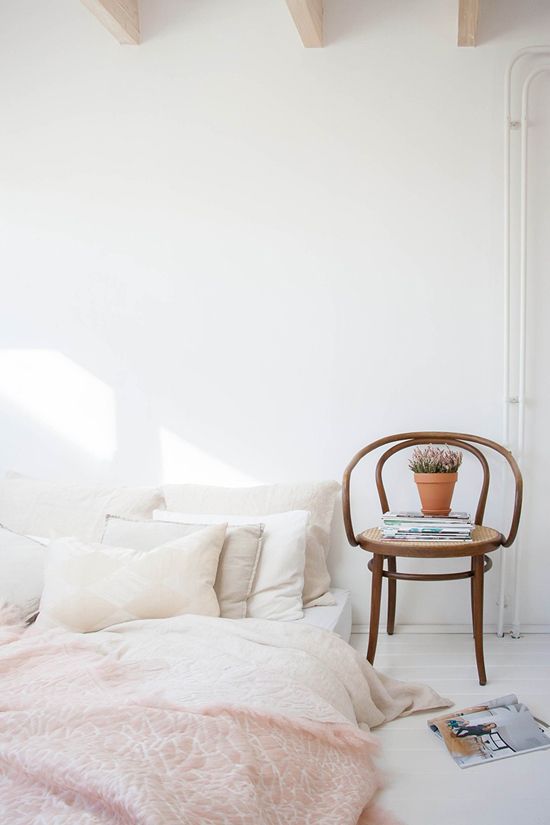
(275, 666)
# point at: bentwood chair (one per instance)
(484, 539)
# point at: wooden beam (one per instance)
(120, 17)
(468, 13)
(308, 16)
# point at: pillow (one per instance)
(53, 509)
(238, 559)
(279, 581)
(21, 571)
(317, 497)
(91, 586)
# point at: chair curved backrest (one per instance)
(462, 441)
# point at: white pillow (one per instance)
(91, 586)
(21, 571)
(237, 564)
(53, 509)
(277, 588)
(318, 498)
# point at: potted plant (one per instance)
(435, 473)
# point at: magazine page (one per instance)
(489, 732)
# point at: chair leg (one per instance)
(472, 590)
(392, 588)
(375, 599)
(478, 565)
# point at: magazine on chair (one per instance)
(492, 730)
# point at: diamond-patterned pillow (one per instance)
(91, 586)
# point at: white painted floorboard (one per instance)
(423, 784)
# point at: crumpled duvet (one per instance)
(191, 720)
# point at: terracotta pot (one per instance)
(436, 492)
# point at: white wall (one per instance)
(228, 258)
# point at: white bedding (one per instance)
(336, 618)
(202, 660)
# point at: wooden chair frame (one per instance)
(485, 539)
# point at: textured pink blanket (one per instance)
(90, 735)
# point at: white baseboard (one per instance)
(451, 628)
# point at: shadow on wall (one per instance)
(497, 19)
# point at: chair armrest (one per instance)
(518, 500)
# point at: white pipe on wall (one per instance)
(522, 353)
(510, 124)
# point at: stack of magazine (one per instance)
(415, 526)
(491, 730)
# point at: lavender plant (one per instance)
(432, 459)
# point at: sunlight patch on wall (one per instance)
(183, 462)
(61, 395)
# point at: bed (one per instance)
(193, 711)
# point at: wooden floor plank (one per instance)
(462, 658)
(498, 672)
(460, 640)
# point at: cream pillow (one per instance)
(21, 571)
(318, 498)
(279, 581)
(238, 559)
(91, 586)
(53, 509)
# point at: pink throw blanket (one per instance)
(109, 728)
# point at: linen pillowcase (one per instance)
(318, 498)
(279, 581)
(89, 586)
(237, 564)
(54, 509)
(22, 562)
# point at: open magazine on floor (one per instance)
(493, 730)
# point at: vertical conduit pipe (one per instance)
(520, 399)
(522, 350)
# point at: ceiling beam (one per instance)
(468, 13)
(308, 17)
(120, 17)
